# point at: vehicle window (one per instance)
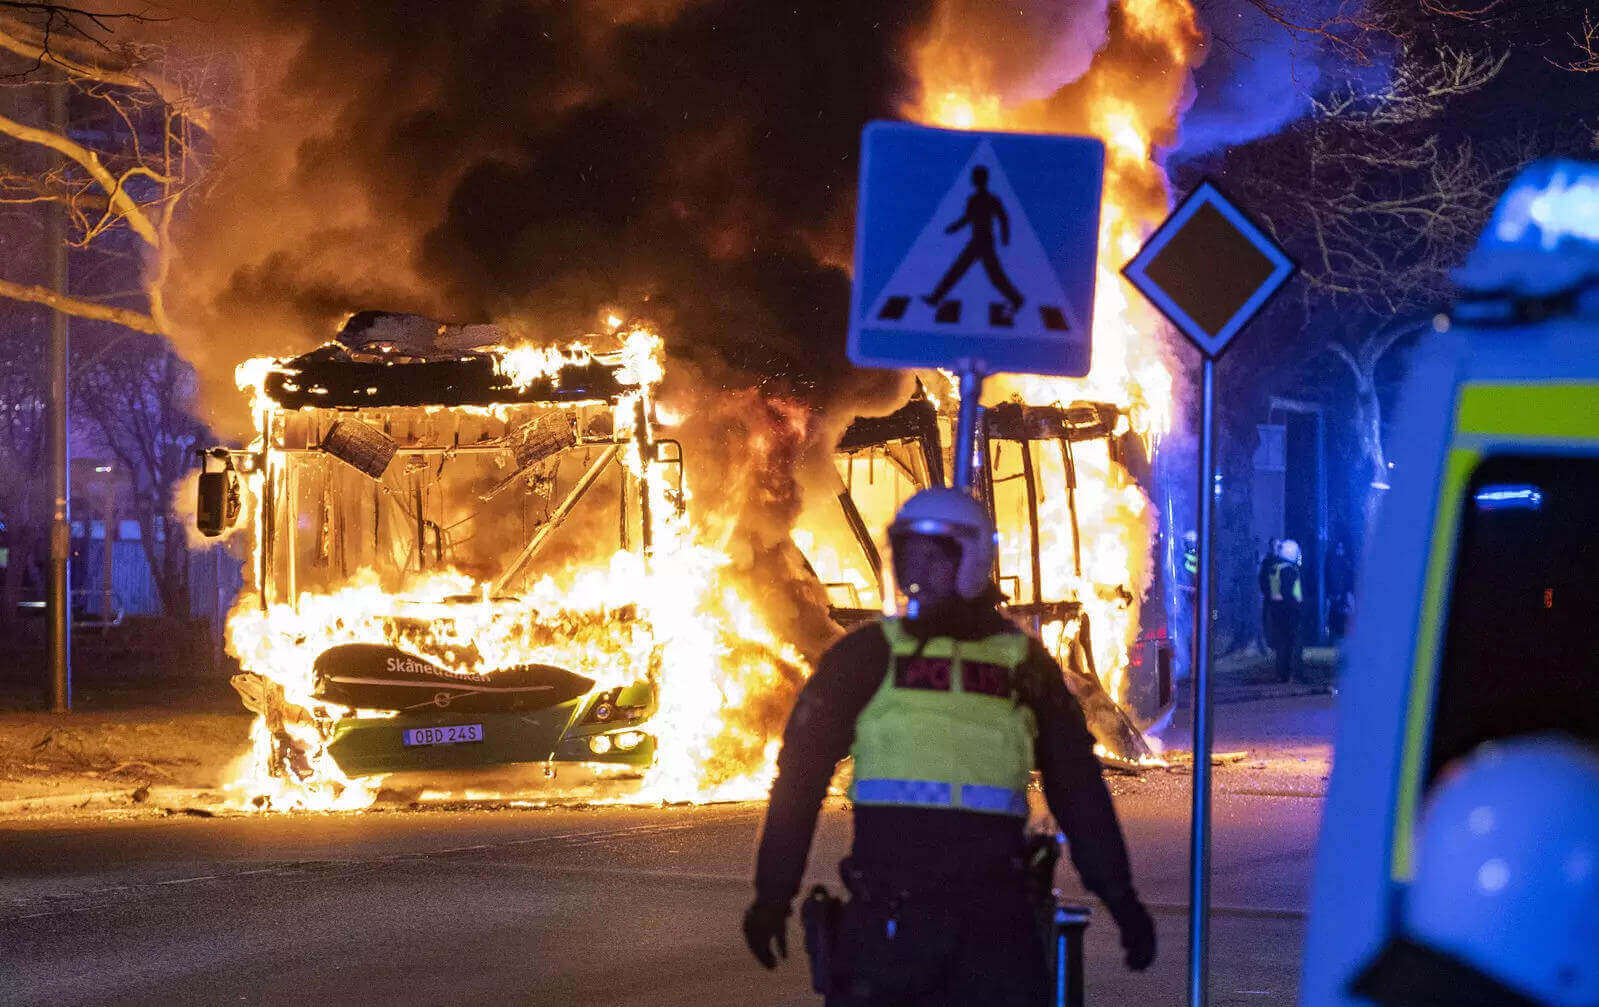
(1521, 652)
(1015, 472)
(470, 512)
(878, 480)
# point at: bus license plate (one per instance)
(453, 735)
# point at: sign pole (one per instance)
(971, 411)
(1206, 239)
(1199, 839)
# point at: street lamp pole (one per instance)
(59, 602)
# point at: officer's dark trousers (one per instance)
(1282, 627)
(940, 945)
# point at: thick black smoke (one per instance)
(540, 161)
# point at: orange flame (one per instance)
(1149, 41)
(673, 616)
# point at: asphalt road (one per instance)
(557, 906)
(605, 906)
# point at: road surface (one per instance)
(556, 906)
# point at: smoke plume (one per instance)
(692, 162)
(537, 162)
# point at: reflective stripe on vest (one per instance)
(932, 794)
(945, 729)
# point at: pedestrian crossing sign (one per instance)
(975, 250)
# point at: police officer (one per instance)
(1187, 579)
(946, 713)
(1188, 575)
(1263, 580)
(1283, 600)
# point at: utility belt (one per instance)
(889, 888)
(877, 881)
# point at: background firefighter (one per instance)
(946, 713)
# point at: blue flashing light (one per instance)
(1543, 239)
(1509, 497)
(1565, 204)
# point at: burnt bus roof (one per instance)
(1079, 421)
(329, 377)
(915, 419)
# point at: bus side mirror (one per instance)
(218, 497)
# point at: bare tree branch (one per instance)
(90, 162)
(1587, 42)
(1341, 351)
(1460, 13)
(93, 61)
(80, 308)
(1341, 31)
(70, 18)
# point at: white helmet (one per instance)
(1289, 550)
(1507, 868)
(952, 514)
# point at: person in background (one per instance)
(1188, 572)
(1186, 579)
(1340, 590)
(1284, 599)
(1262, 576)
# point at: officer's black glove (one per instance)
(1138, 930)
(765, 925)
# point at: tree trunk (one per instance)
(1369, 419)
(168, 562)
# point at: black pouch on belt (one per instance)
(821, 915)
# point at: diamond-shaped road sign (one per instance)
(1209, 269)
(975, 250)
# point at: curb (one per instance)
(64, 802)
(155, 799)
(1255, 694)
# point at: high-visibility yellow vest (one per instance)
(1274, 580)
(945, 728)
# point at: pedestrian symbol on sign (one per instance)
(978, 222)
(982, 210)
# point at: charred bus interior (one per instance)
(407, 509)
(1029, 477)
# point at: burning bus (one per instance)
(472, 569)
(1042, 471)
(411, 488)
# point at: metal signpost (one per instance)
(975, 252)
(1209, 269)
